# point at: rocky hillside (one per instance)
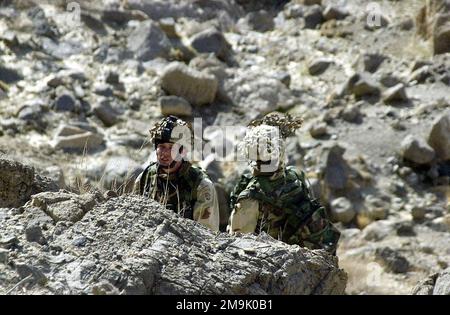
(65, 243)
(80, 86)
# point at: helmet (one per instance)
(264, 148)
(264, 144)
(171, 129)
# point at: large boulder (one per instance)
(16, 181)
(256, 93)
(342, 210)
(211, 41)
(148, 41)
(106, 113)
(433, 22)
(75, 139)
(335, 169)
(131, 245)
(363, 84)
(199, 88)
(174, 105)
(416, 150)
(64, 206)
(436, 284)
(439, 137)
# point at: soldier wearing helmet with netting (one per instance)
(173, 181)
(274, 198)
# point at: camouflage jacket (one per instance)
(189, 192)
(283, 208)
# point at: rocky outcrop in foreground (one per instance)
(436, 284)
(130, 245)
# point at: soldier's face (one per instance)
(166, 153)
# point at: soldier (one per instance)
(173, 181)
(274, 198)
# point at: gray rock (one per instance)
(442, 285)
(436, 284)
(439, 137)
(405, 228)
(378, 230)
(56, 174)
(4, 256)
(30, 113)
(373, 61)
(33, 233)
(336, 170)
(313, 16)
(148, 42)
(168, 26)
(135, 141)
(63, 206)
(389, 80)
(420, 75)
(417, 64)
(174, 105)
(342, 210)
(256, 94)
(293, 11)
(79, 142)
(318, 66)
(9, 242)
(65, 103)
(283, 77)
(68, 130)
(9, 75)
(416, 150)
(112, 78)
(211, 41)
(396, 93)
(43, 183)
(94, 24)
(418, 213)
(106, 113)
(377, 209)
(103, 90)
(351, 114)
(334, 13)
(364, 85)
(260, 21)
(122, 16)
(317, 130)
(141, 248)
(16, 180)
(392, 260)
(426, 286)
(197, 87)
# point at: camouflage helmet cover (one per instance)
(265, 139)
(171, 129)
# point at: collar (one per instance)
(175, 175)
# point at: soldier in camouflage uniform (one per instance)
(275, 199)
(173, 181)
